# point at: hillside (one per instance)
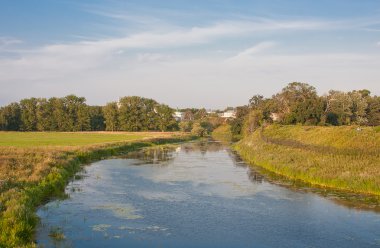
(340, 157)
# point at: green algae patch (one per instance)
(124, 211)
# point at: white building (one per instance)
(275, 116)
(228, 114)
(179, 115)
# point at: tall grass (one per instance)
(32, 176)
(339, 157)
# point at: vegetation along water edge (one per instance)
(344, 158)
(31, 175)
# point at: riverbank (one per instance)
(32, 174)
(346, 158)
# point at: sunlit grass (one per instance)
(33, 139)
(340, 157)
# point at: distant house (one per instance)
(179, 115)
(275, 116)
(228, 114)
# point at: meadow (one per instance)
(346, 158)
(54, 139)
(36, 166)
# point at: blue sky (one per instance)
(186, 53)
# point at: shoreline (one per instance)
(18, 210)
(323, 166)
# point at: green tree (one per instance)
(339, 108)
(44, 114)
(131, 113)
(238, 123)
(253, 121)
(28, 114)
(78, 117)
(256, 101)
(198, 130)
(97, 121)
(359, 106)
(82, 118)
(10, 117)
(373, 111)
(59, 115)
(296, 101)
(200, 114)
(185, 126)
(111, 116)
(166, 121)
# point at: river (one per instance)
(197, 194)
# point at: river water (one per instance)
(197, 194)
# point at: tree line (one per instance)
(299, 103)
(71, 113)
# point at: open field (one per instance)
(33, 139)
(35, 167)
(345, 158)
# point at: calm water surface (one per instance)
(196, 195)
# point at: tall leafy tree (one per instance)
(28, 114)
(10, 117)
(359, 106)
(165, 120)
(295, 102)
(44, 114)
(59, 117)
(111, 116)
(97, 121)
(373, 111)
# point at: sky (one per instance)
(198, 53)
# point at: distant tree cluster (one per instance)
(71, 113)
(138, 114)
(299, 103)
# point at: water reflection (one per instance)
(163, 155)
(198, 194)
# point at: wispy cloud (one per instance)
(248, 53)
(60, 59)
(6, 42)
(151, 58)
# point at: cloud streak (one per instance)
(61, 59)
(146, 63)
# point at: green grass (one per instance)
(337, 157)
(32, 173)
(33, 139)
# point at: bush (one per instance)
(198, 130)
(185, 126)
(253, 121)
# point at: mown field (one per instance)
(33, 139)
(36, 166)
(346, 158)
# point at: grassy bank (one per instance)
(31, 174)
(223, 133)
(345, 158)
